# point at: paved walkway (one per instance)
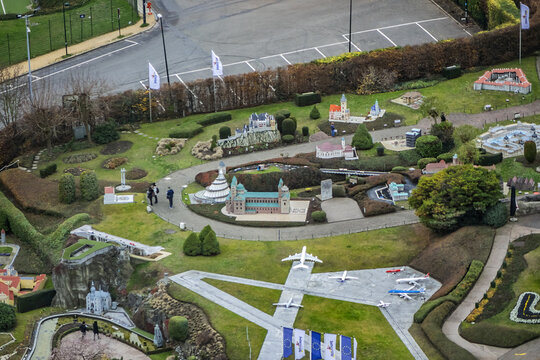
(43, 345)
(339, 209)
(503, 237)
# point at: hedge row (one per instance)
(496, 335)
(489, 159)
(48, 170)
(305, 99)
(215, 119)
(35, 300)
(186, 131)
(432, 327)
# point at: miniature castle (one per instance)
(98, 301)
(216, 192)
(13, 285)
(504, 80)
(339, 112)
(330, 151)
(240, 201)
(257, 123)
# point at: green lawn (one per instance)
(16, 6)
(6, 249)
(96, 245)
(255, 171)
(47, 31)
(509, 168)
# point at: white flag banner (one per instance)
(299, 336)
(524, 16)
(330, 346)
(153, 78)
(217, 68)
(355, 345)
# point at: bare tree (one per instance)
(12, 94)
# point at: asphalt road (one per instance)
(251, 35)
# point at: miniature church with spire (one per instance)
(340, 113)
(98, 301)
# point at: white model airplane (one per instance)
(288, 304)
(343, 277)
(382, 304)
(303, 257)
(413, 280)
(405, 294)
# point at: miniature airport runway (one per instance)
(371, 286)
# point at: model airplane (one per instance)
(395, 271)
(413, 280)
(343, 277)
(288, 304)
(406, 293)
(303, 257)
(382, 304)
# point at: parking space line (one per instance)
(142, 84)
(467, 32)
(248, 64)
(320, 52)
(386, 37)
(352, 43)
(284, 58)
(399, 25)
(193, 71)
(421, 27)
(188, 89)
(333, 44)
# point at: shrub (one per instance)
(289, 127)
(423, 162)
(374, 207)
(66, 188)
(89, 186)
(314, 114)
(409, 157)
(186, 131)
(468, 153)
(35, 300)
(213, 143)
(338, 191)
(178, 328)
(444, 131)
(192, 245)
(496, 216)
(305, 131)
(380, 151)
(452, 72)
(496, 335)
(399, 169)
(306, 99)
(429, 146)
(284, 113)
(318, 216)
(362, 138)
(432, 327)
(287, 139)
(447, 157)
(214, 118)
(48, 170)
(489, 159)
(7, 317)
(105, 133)
(224, 132)
(210, 245)
(529, 151)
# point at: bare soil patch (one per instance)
(75, 171)
(116, 147)
(135, 174)
(79, 158)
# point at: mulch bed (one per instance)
(135, 174)
(116, 147)
(79, 158)
(75, 171)
(113, 163)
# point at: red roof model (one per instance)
(334, 108)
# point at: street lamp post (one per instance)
(350, 24)
(27, 29)
(160, 17)
(65, 32)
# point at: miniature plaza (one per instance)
(509, 139)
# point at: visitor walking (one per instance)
(170, 194)
(95, 328)
(156, 191)
(150, 195)
(83, 329)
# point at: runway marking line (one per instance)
(248, 64)
(421, 27)
(320, 52)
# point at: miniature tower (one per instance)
(343, 107)
(158, 337)
(3, 237)
(455, 160)
(343, 143)
(285, 199)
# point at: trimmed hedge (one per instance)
(7, 317)
(380, 151)
(105, 133)
(66, 188)
(452, 72)
(338, 191)
(489, 159)
(318, 216)
(186, 131)
(496, 216)
(287, 138)
(224, 132)
(49, 170)
(529, 151)
(423, 162)
(447, 157)
(215, 118)
(496, 335)
(288, 127)
(305, 131)
(89, 185)
(429, 146)
(399, 169)
(305, 99)
(409, 157)
(374, 207)
(432, 327)
(35, 300)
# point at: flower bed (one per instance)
(525, 309)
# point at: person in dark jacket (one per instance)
(150, 195)
(83, 329)
(95, 328)
(170, 194)
(156, 191)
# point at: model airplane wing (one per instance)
(293, 257)
(334, 277)
(310, 257)
(412, 287)
(405, 296)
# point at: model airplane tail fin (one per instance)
(427, 275)
(300, 266)
(423, 290)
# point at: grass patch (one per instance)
(6, 249)
(509, 168)
(376, 338)
(95, 246)
(16, 6)
(191, 189)
(258, 297)
(255, 171)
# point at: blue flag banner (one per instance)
(346, 348)
(315, 346)
(524, 10)
(287, 342)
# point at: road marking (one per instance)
(467, 32)
(352, 43)
(284, 58)
(399, 25)
(144, 86)
(248, 64)
(192, 93)
(320, 52)
(386, 37)
(421, 27)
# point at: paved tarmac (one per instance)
(339, 209)
(370, 287)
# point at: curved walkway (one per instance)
(503, 237)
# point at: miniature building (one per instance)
(216, 192)
(98, 301)
(111, 198)
(257, 123)
(376, 111)
(504, 80)
(411, 97)
(240, 201)
(521, 183)
(433, 168)
(330, 151)
(397, 191)
(411, 136)
(509, 139)
(13, 285)
(339, 113)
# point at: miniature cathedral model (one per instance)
(330, 151)
(218, 191)
(339, 113)
(240, 201)
(97, 301)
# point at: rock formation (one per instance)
(109, 270)
(202, 151)
(170, 146)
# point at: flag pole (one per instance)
(150, 102)
(520, 26)
(215, 102)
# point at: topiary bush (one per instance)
(489, 159)
(306, 99)
(305, 131)
(314, 114)
(89, 185)
(287, 139)
(178, 328)
(214, 118)
(186, 131)
(409, 157)
(529, 151)
(66, 188)
(105, 133)
(288, 127)
(399, 169)
(210, 245)
(192, 245)
(380, 150)
(429, 146)
(49, 170)
(318, 216)
(362, 138)
(338, 191)
(224, 132)
(423, 162)
(496, 216)
(7, 317)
